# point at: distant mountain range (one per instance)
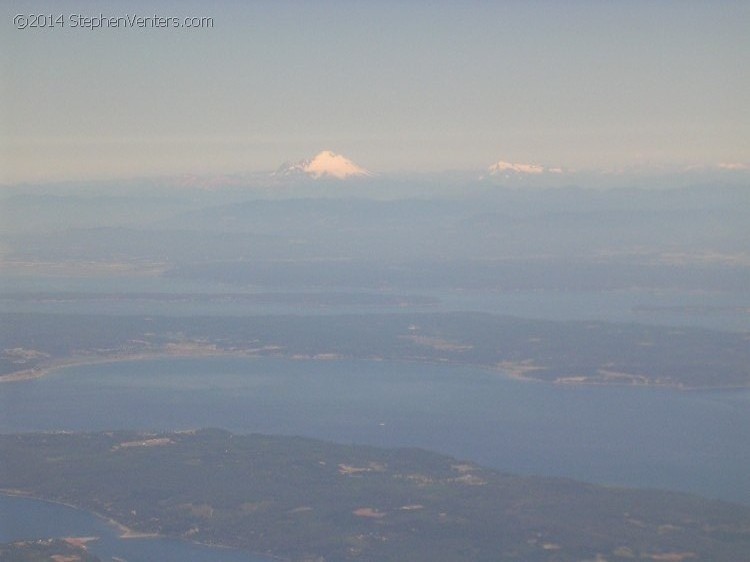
(515, 171)
(331, 171)
(327, 165)
(506, 168)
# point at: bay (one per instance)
(696, 442)
(26, 518)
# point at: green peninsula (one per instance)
(303, 499)
(46, 550)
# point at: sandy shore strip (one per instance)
(50, 367)
(128, 533)
(503, 368)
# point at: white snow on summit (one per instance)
(324, 164)
(505, 167)
(733, 166)
(516, 172)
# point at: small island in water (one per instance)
(303, 499)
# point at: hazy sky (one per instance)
(393, 85)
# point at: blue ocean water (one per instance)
(695, 441)
(645, 437)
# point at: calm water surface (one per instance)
(690, 441)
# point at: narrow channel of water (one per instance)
(642, 437)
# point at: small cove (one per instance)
(26, 518)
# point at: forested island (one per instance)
(303, 499)
(570, 352)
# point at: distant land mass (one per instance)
(570, 352)
(301, 499)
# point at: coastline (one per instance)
(51, 367)
(125, 531)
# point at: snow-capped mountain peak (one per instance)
(514, 168)
(325, 164)
(517, 173)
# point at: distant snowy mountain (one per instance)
(518, 173)
(509, 167)
(502, 168)
(325, 164)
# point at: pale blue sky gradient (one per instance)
(417, 86)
